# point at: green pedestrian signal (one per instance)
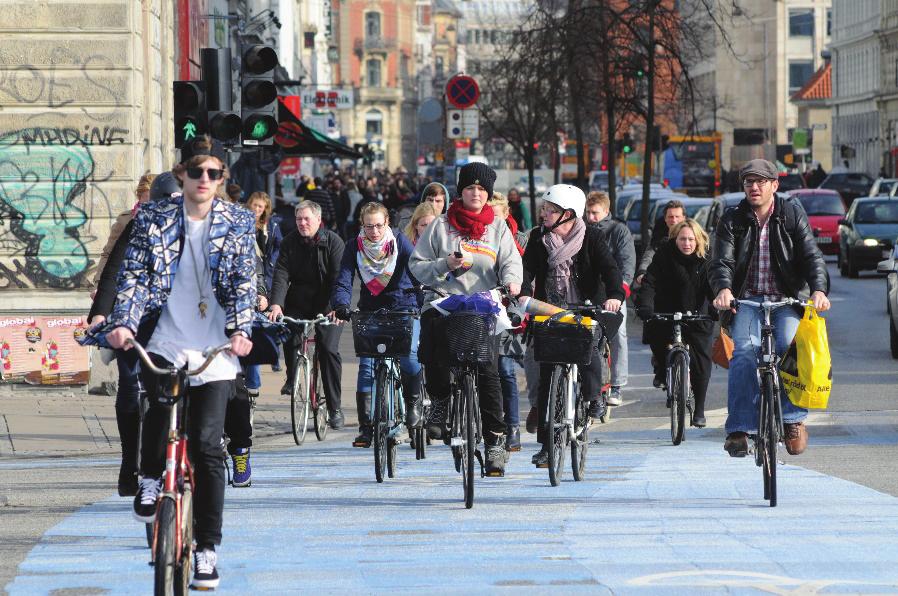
(260, 130)
(189, 131)
(190, 114)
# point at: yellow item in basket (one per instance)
(570, 319)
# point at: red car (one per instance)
(824, 208)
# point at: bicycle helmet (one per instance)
(566, 197)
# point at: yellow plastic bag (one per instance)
(806, 368)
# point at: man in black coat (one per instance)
(303, 279)
(764, 250)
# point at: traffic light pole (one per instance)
(649, 123)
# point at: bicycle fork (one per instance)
(177, 466)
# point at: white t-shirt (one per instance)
(182, 334)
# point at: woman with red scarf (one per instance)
(488, 258)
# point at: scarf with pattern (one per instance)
(377, 260)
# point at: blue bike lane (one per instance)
(649, 518)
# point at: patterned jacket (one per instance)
(152, 257)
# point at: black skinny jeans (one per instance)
(699, 364)
(330, 363)
(205, 427)
(590, 388)
(237, 426)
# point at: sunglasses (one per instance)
(197, 173)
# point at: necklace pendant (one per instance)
(202, 307)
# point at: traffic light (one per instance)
(190, 110)
(223, 123)
(627, 144)
(258, 95)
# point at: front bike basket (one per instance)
(568, 340)
(470, 337)
(382, 334)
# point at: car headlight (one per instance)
(869, 242)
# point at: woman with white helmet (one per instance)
(567, 262)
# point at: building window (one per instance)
(308, 40)
(438, 62)
(801, 23)
(374, 121)
(372, 67)
(800, 72)
(477, 36)
(423, 16)
(829, 22)
(372, 24)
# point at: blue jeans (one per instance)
(742, 384)
(253, 378)
(407, 364)
(509, 382)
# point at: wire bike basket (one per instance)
(568, 340)
(382, 334)
(470, 337)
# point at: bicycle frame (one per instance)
(677, 347)
(571, 390)
(394, 393)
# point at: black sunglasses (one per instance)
(197, 173)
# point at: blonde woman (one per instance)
(424, 214)
(677, 281)
(268, 232)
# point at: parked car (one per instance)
(824, 208)
(628, 192)
(633, 214)
(883, 186)
(692, 206)
(890, 268)
(539, 183)
(867, 234)
(791, 181)
(598, 180)
(850, 185)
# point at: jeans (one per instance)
(253, 378)
(742, 384)
(509, 382)
(619, 352)
(407, 364)
(206, 420)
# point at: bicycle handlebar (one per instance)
(767, 304)
(318, 320)
(209, 354)
(679, 316)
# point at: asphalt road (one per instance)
(635, 477)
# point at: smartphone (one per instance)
(457, 255)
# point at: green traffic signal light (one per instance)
(260, 130)
(627, 149)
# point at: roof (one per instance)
(820, 85)
(446, 7)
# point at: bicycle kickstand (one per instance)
(479, 457)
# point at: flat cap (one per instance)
(759, 167)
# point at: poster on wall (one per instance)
(43, 350)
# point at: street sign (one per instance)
(462, 91)
(333, 99)
(430, 122)
(463, 124)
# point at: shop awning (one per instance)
(297, 139)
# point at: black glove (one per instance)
(342, 313)
(645, 313)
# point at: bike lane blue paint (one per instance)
(649, 518)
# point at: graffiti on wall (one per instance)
(44, 231)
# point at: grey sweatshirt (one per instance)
(495, 258)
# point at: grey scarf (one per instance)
(560, 285)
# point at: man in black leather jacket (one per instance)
(764, 249)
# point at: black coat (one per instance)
(597, 275)
(295, 292)
(104, 299)
(675, 283)
(796, 260)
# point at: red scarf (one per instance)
(513, 226)
(471, 225)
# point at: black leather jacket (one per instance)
(795, 258)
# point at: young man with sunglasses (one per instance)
(187, 282)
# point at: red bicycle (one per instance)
(307, 394)
(172, 544)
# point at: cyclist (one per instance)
(380, 257)
(764, 250)
(303, 278)
(620, 241)
(677, 281)
(488, 258)
(188, 282)
(674, 213)
(570, 263)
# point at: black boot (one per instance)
(363, 405)
(513, 438)
(698, 414)
(414, 401)
(128, 430)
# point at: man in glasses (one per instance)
(187, 282)
(764, 250)
(304, 276)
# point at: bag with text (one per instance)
(806, 368)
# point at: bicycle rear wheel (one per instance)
(678, 392)
(299, 401)
(769, 441)
(182, 573)
(165, 558)
(556, 429)
(321, 414)
(380, 423)
(580, 443)
(470, 442)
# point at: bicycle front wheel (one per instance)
(769, 440)
(380, 423)
(580, 443)
(321, 414)
(299, 400)
(165, 558)
(678, 392)
(556, 429)
(182, 573)
(469, 439)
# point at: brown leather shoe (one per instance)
(532, 421)
(796, 437)
(736, 444)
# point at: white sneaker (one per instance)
(614, 397)
(148, 491)
(205, 575)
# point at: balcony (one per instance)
(373, 44)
